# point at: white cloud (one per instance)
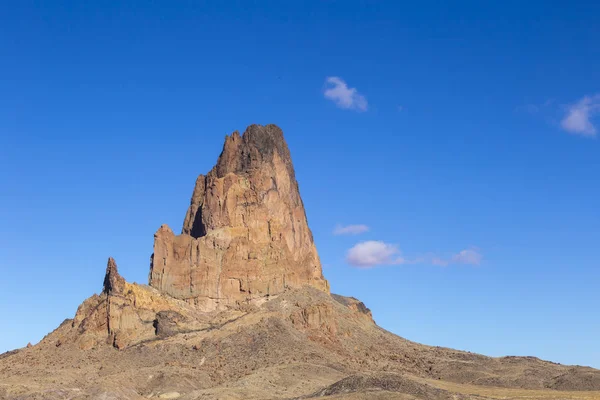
(343, 96)
(468, 256)
(371, 253)
(350, 229)
(578, 118)
(439, 261)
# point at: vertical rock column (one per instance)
(245, 235)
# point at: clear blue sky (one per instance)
(444, 128)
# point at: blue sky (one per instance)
(447, 154)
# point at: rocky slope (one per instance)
(237, 308)
(133, 342)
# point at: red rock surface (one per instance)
(245, 235)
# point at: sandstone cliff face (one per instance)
(245, 235)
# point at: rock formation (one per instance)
(113, 282)
(245, 235)
(125, 314)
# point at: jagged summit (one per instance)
(113, 282)
(241, 155)
(244, 153)
(245, 235)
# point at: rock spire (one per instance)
(245, 235)
(113, 282)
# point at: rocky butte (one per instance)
(237, 308)
(245, 235)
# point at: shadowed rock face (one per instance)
(245, 235)
(113, 282)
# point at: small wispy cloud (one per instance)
(350, 229)
(371, 253)
(376, 253)
(343, 96)
(578, 119)
(468, 256)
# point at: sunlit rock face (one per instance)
(245, 235)
(125, 314)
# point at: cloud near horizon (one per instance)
(577, 121)
(350, 229)
(373, 253)
(343, 96)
